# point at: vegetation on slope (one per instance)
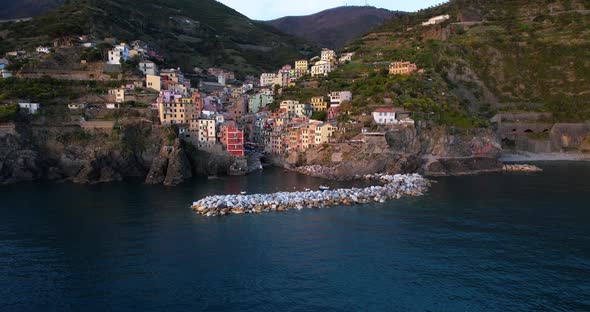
(189, 33)
(333, 28)
(503, 54)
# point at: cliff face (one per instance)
(71, 154)
(434, 151)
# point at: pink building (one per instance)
(333, 112)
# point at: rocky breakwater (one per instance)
(395, 187)
(522, 168)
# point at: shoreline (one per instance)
(537, 157)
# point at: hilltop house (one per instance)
(321, 68)
(117, 95)
(384, 116)
(148, 68)
(153, 82)
(119, 54)
(3, 63)
(42, 49)
(5, 74)
(327, 54)
(73, 106)
(318, 103)
(301, 67)
(337, 97)
(402, 68)
(346, 57)
(436, 20)
(30, 108)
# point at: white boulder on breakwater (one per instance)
(522, 168)
(395, 186)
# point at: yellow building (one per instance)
(324, 133)
(301, 67)
(402, 68)
(179, 111)
(308, 135)
(319, 104)
(153, 82)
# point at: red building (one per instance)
(232, 139)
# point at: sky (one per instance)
(271, 9)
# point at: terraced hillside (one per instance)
(492, 55)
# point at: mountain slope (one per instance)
(335, 27)
(497, 55)
(189, 33)
(25, 8)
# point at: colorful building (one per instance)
(402, 68)
(301, 67)
(258, 101)
(318, 104)
(384, 116)
(232, 139)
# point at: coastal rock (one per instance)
(158, 169)
(395, 187)
(179, 169)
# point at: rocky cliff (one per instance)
(69, 153)
(432, 151)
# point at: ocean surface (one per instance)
(499, 242)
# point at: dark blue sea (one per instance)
(498, 242)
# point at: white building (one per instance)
(118, 95)
(327, 54)
(268, 79)
(384, 116)
(436, 20)
(118, 54)
(207, 134)
(303, 109)
(45, 50)
(5, 74)
(321, 68)
(148, 68)
(337, 97)
(289, 107)
(346, 57)
(30, 108)
(208, 112)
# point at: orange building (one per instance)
(402, 68)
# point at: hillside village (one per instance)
(220, 114)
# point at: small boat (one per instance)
(307, 190)
(324, 188)
(243, 193)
